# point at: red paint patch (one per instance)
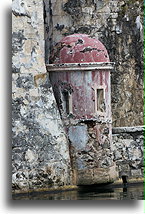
(79, 48)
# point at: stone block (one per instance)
(136, 173)
(78, 136)
(96, 176)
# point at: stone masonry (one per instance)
(40, 154)
(128, 149)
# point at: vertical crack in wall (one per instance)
(48, 23)
(51, 27)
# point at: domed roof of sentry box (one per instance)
(79, 48)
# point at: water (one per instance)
(109, 192)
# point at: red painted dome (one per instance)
(79, 48)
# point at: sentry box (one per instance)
(80, 78)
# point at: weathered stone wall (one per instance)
(91, 152)
(40, 153)
(118, 25)
(128, 147)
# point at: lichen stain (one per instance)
(39, 79)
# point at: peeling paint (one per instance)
(79, 48)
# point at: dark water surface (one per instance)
(109, 192)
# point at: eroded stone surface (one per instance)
(40, 154)
(91, 153)
(128, 151)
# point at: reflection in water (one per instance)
(124, 192)
(109, 192)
